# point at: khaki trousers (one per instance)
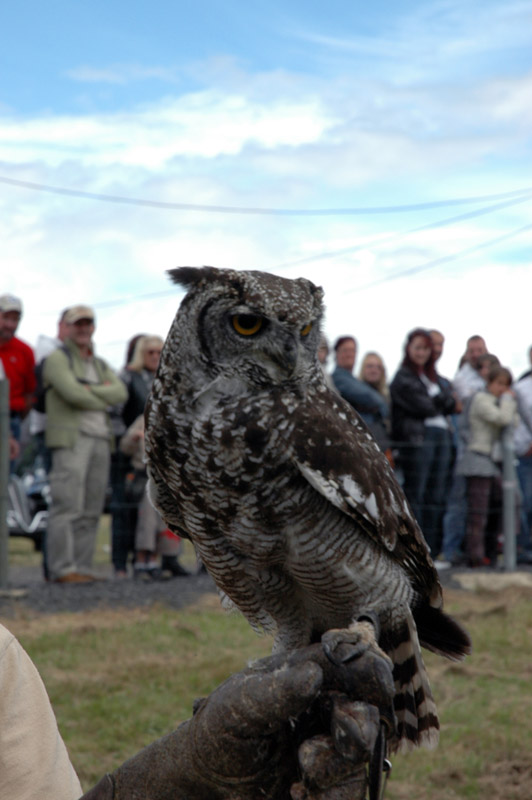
(78, 481)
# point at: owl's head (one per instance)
(257, 326)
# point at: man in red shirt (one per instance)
(18, 362)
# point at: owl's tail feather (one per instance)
(441, 633)
(415, 709)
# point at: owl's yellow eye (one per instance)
(306, 330)
(246, 324)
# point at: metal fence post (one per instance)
(509, 497)
(4, 478)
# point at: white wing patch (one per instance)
(342, 493)
(329, 489)
(371, 505)
(355, 496)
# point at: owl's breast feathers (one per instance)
(240, 455)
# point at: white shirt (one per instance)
(467, 381)
(433, 389)
(34, 763)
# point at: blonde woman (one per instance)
(144, 352)
(373, 372)
(139, 374)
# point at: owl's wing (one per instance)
(337, 455)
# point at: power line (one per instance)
(215, 209)
(394, 237)
(443, 260)
(391, 277)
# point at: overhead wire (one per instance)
(222, 209)
(385, 279)
(394, 237)
(436, 262)
(509, 199)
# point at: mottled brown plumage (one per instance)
(289, 502)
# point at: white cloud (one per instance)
(121, 74)
(202, 125)
(276, 140)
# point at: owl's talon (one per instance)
(342, 646)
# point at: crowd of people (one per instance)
(443, 438)
(85, 425)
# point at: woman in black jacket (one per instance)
(420, 403)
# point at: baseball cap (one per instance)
(8, 302)
(75, 313)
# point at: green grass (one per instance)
(119, 679)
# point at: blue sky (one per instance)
(392, 113)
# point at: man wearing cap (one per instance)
(80, 389)
(18, 362)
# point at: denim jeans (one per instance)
(454, 519)
(524, 473)
(426, 471)
(123, 516)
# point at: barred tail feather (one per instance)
(441, 633)
(415, 709)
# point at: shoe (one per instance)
(171, 564)
(147, 574)
(441, 566)
(480, 563)
(459, 560)
(74, 577)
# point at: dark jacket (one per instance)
(364, 398)
(138, 386)
(412, 405)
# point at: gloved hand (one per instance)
(294, 726)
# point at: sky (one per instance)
(383, 150)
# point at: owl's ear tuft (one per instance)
(188, 277)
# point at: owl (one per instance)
(288, 500)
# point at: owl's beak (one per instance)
(290, 349)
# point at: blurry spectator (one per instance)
(523, 451)
(373, 373)
(491, 410)
(122, 526)
(19, 363)
(363, 398)
(438, 341)
(78, 430)
(144, 352)
(139, 374)
(454, 519)
(323, 355)
(529, 371)
(152, 537)
(45, 345)
(13, 445)
(421, 402)
(467, 380)
(485, 363)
